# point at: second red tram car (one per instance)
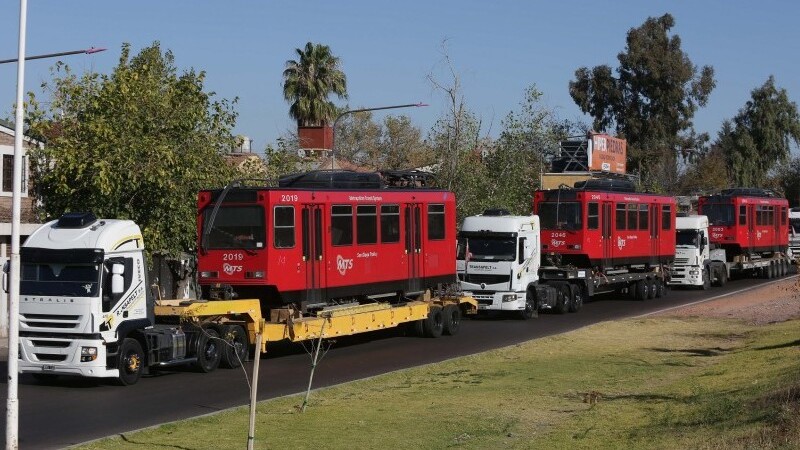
(605, 224)
(747, 221)
(326, 236)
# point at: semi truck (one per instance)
(86, 309)
(700, 263)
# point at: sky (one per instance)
(388, 49)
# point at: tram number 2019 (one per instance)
(288, 198)
(232, 256)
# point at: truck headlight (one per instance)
(88, 354)
(694, 272)
(509, 298)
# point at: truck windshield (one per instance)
(236, 227)
(718, 213)
(795, 225)
(485, 248)
(687, 238)
(68, 280)
(560, 216)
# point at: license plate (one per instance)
(47, 367)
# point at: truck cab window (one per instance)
(109, 299)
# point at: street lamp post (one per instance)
(353, 111)
(12, 401)
(87, 51)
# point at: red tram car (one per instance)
(747, 221)
(326, 236)
(605, 224)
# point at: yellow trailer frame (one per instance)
(331, 322)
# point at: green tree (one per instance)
(788, 178)
(521, 153)
(761, 134)
(309, 80)
(135, 144)
(651, 102)
(392, 145)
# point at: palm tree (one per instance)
(309, 80)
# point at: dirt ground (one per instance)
(777, 301)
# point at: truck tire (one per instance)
(640, 288)
(531, 307)
(706, 279)
(433, 325)
(236, 348)
(661, 289)
(209, 350)
(130, 362)
(452, 320)
(563, 298)
(723, 276)
(577, 298)
(651, 289)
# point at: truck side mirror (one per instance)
(705, 241)
(6, 269)
(117, 281)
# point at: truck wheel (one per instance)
(208, 350)
(723, 277)
(640, 288)
(576, 295)
(235, 351)
(130, 362)
(706, 279)
(563, 299)
(452, 320)
(531, 309)
(651, 289)
(433, 326)
(661, 289)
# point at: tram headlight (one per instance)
(209, 274)
(88, 354)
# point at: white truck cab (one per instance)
(794, 233)
(692, 252)
(498, 261)
(83, 289)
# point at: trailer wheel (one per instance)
(234, 353)
(531, 308)
(433, 325)
(130, 362)
(640, 289)
(452, 320)
(563, 298)
(576, 295)
(208, 350)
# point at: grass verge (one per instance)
(639, 383)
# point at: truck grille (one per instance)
(681, 261)
(50, 357)
(484, 299)
(481, 278)
(32, 321)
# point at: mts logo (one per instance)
(343, 264)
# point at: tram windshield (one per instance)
(560, 216)
(719, 214)
(236, 227)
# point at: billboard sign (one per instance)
(607, 154)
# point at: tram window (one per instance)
(390, 223)
(644, 217)
(366, 224)
(621, 216)
(284, 227)
(783, 215)
(435, 221)
(561, 216)
(342, 225)
(719, 214)
(592, 217)
(771, 215)
(666, 217)
(742, 214)
(632, 209)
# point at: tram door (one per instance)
(655, 229)
(608, 242)
(751, 226)
(412, 218)
(313, 245)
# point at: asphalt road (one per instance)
(71, 410)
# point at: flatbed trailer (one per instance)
(432, 316)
